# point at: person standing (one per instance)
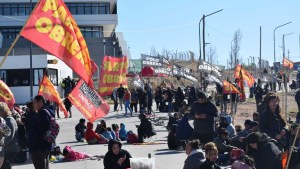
(121, 92)
(127, 98)
(38, 146)
(158, 97)
(115, 98)
(203, 112)
(11, 145)
(279, 81)
(149, 99)
(258, 92)
(68, 106)
(134, 100)
(234, 98)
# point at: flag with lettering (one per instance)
(6, 95)
(287, 63)
(246, 75)
(52, 27)
(48, 90)
(229, 88)
(88, 101)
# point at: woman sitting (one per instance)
(92, 137)
(195, 155)
(116, 158)
(145, 129)
(211, 154)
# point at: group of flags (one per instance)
(52, 27)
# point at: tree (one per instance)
(211, 54)
(235, 48)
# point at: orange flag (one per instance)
(287, 63)
(228, 88)
(50, 93)
(52, 27)
(6, 95)
(284, 158)
(241, 85)
(246, 75)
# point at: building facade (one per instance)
(97, 20)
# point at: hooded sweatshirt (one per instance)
(194, 160)
(230, 128)
(122, 132)
(111, 160)
(74, 155)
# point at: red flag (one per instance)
(241, 85)
(52, 27)
(246, 75)
(287, 63)
(229, 88)
(88, 102)
(50, 93)
(6, 95)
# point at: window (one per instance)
(37, 76)
(10, 33)
(18, 77)
(6, 9)
(87, 8)
(22, 9)
(52, 75)
(3, 75)
(104, 8)
(72, 8)
(14, 9)
(92, 32)
(80, 9)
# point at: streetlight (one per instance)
(274, 38)
(104, 46)
(114, 43)
(283, 42)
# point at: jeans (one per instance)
(127, 106)
(233, 106)
(115, 105)
(223, 106)
(121, 102)
(40, 159)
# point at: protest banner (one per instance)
(246, 75)
(88, 102)
(6, 95)
(113, 73)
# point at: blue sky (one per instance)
(173, 25)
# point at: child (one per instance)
(123, 132)
(80, 129)
(71, 155)
(211, 154)
(115, 132)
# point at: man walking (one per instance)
(203, 112)
(121, 92)
(38, 146)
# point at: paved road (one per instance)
(164, 158)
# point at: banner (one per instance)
(154, 61)
(229, 88)
(246, 75)
(113, 73)
(241, 86)
(287, 63)
(88, 102)
(214, 79)
(6, 95)
(210, 69)
(52, 27)
(50, 93)
(137, 82)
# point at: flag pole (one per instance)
(291, 148)
(18, 36)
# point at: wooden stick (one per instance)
(18, 36)
(291, 148)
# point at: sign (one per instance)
(137, 82)
(6, 95)
(88, 102)
(210, 69)
(52, 27)
(214, 79)
(113, 73)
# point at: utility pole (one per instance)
(260, 52)
(203, 36)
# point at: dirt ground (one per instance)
(246, 109)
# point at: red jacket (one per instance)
(90, 134)
(127, 96)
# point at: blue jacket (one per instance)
(184, 130)
(123, 131)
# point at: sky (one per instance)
(174, 25)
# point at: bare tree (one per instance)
(153, 51)
(235, 48)
(211, 54)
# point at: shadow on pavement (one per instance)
(169, 152)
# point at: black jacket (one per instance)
(111, 159)
(204, 126)
(267, 156)
(270, 124)
(209, 165)
(38, 130)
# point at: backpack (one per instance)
(53, 131)
(132, 138)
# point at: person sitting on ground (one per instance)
(107, 134)
(244, 162)
(211, 155)
(239, 139)
(255, 117)
(100, 127)
(80, 129)
(115, 132)
(116, 158)
(172, 120)
(71, 155)
(123, 132)
(255, 126)
(238, 129)
(92, 137)
(172, 141)
(145, 129)
(184, 131)
(226, 122)
(195, 155)
(264, 151)
(223, 144)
